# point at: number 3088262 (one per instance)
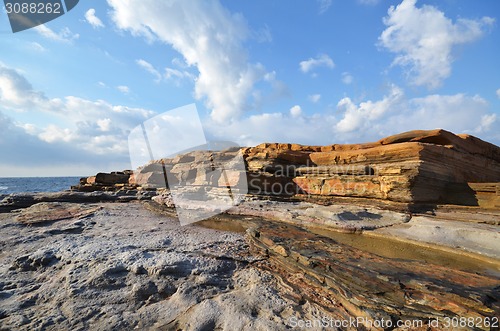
(33, 8)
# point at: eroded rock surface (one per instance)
(123, 267)
(24, 200)
(54, 211)
(359, 284)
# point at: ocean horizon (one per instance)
(9, 185)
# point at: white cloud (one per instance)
(37, 47)
(92, 19)
(296, 111)
(124, 89)
(171, 73)
(179, 63)
(321, 60)
(362, 117)
(149, 68)
(15, 91)
(314, 98)
(73, 129)
(498, 93)
(423, 40)
(275, 127)
(53, 133)
(487, 121)
(102, 84)
(65, 35)
(324, 5)
(395, 113)
(209, 37)
(347, 78)
(104, 124)
(458, 112)
(365, 121)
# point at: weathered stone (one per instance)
(149, 179)
(91, 180)
(369, 286)
(111, 179)
(417, 166)
(232, 178)
(22, 200)
(183, 158)
(54, 211)
(487, 194)
(412, 167)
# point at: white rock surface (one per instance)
(126, 268)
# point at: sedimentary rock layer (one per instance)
(413, 167)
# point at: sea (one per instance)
(10, 185)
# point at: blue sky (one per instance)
(311, 72)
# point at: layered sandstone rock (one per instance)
(359, 284)
(114, 181)
(412, 167)
(416, 166)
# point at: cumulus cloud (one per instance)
(458, 112)
(423, 40)
(498, 93)
(322, 60)
(75, 130)
(15, 91)
(65, 35)
(362, 116)
(395, 113)
(92, 19)
(275, 127)
(209, 37)
(296, 111)
(314, 98)
(354, 122)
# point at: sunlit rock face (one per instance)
(434, 166)
(416, 166)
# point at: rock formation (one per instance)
(413, 167)
(404, 229)
(418, 166)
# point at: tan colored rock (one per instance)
(487, 194)
(433, 166)
(150, 179)
(91, 180)
(232, 178)
(415, 166)
(54, 211)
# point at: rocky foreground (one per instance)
(359, 243)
